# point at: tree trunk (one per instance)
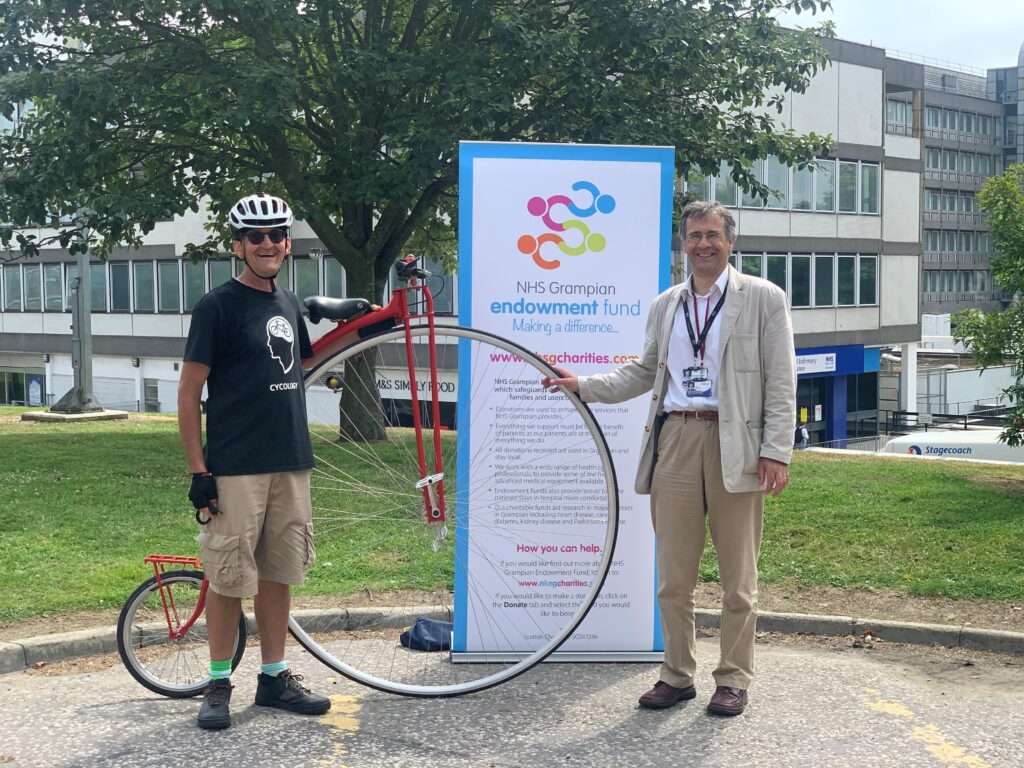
(361, 417)
(362, 414)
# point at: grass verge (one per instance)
(81, 504)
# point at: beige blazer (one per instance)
(756, 387)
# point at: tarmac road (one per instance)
(813, 704)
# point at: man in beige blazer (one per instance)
(718, 360)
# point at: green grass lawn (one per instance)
(81, 504)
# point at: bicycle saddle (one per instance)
(325, 308)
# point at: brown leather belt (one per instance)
(699, 415)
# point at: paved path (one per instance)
(812, 706)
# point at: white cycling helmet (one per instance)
(260, 210)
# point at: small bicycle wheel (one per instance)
(530, 520)
(178, 668)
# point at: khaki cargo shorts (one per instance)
(264, 532)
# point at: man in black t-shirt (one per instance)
(250, 486)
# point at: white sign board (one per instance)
(562, 248)
(821, 363)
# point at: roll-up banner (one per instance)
(562, 249)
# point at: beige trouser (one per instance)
(687, 485)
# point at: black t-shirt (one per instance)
(253, 342)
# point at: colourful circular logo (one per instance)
(584, 240)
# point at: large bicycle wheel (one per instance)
(530, 520)
(176, 668)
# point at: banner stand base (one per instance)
(574, 657)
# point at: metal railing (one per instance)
(902, 422)
(870, 443)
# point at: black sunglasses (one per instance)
(276, 236)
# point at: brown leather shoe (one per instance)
(728, 701)
(663, 695)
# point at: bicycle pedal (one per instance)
(442, 532)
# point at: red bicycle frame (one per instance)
(399, 312)
(175, 628)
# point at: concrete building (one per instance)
(843, 240)
(961, 130)
(882, 231)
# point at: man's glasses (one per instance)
(695, 237)
(276, 236)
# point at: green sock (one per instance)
(220, 670)
(273, 670)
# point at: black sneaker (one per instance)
(286, 692)
(214, 713)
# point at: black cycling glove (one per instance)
(201, 493)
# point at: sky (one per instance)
(975, 33)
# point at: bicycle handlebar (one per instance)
(408, 268)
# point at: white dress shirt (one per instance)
(680, 350)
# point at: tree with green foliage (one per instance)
(997, 337)
(353, 109)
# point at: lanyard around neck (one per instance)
(697, 340)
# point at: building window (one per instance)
(750, 264)
(949, 160)
(932, 159)
(802, 189)
(931, 200)
(800, 276)
(307, 282)
(949, 119)
(749, 199)
(776, 178)
(52, 299)
(145, 299)
(931, 240)
(195, 283)
(776, 270)
(868, 188)
(169, 276)
(697, 183)
(847, 187)
(120, 288)
(823, 269)
(932, 117)
(825, 186)
(725, 187)
(98, 287)
(70, 278)
(898, 112)
(220, 272)
(846, 287)
(32, 274)
(949, 241)
(334, 277)
(12, 288)
(151, 395)
(868, 281)
(930, 281)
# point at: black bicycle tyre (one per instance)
(540, 367)
(143, 674)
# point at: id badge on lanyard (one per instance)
(696, 380)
